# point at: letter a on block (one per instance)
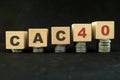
(81, 32)
(60, 35)
(38, 37)
(16, 39)
(103, 29)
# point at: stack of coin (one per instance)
(80, 47)
(38, 49)
(104, 46)
(17, 50)
(60, 49)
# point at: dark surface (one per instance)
(72, 66)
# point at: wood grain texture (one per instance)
(44, 35)
(54, 30)
(22, 39)
(97, 29)
(76, 28)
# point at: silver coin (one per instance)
(104, 46)
(80, 47)
(38, 49)
(60, 48)
(105, 40)
(17, 50)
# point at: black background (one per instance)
(23, 14)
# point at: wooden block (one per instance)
(103, 29)
(81, 32)
(60, 35)
(16, 39)
(38, 37)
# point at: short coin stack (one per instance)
(37, 49)
(60, 49)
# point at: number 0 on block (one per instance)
(81, 32)
(103, 29)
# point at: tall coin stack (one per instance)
(104, 46)
(80, 47)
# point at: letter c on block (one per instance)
(58, 35)
(12, 40)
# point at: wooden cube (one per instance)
(16, 39)
(38, 37)
(60, 35)
(81, 32)
(103, 29)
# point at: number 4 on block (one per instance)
(81, 32)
